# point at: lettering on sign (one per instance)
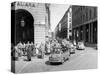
(25, 4)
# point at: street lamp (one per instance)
(77, 34)
(22, 25)
(22, 22)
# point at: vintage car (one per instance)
(71, 48)
(80, 46)
(59, 56)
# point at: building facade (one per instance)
(84, 24)
(32, 21)
(64, 27)
(69, 23)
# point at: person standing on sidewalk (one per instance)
(29, 53)
(37, 49)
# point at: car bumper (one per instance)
(81, 48)
(54, 60)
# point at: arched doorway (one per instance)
(24, 26)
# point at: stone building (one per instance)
(29, 22)
(84, 24)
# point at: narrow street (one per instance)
(82, 59)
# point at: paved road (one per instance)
(86, 59)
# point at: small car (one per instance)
(59, 56)
(71, 48)
(80, 46)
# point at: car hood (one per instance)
(55, 55)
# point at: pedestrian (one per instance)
(48, 47)
(37, 49)
(15, 53)
(42, 50)
(29, 53)
(24, 48)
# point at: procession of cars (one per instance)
(61, 54)
(58, 52)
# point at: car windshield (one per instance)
(56, 52)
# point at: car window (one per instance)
(56, 52)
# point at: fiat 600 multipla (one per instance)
(59, 55)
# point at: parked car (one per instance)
(59, 56)
(80, 46)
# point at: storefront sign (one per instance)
(25, 4)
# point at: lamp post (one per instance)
(22, 22)
(23, 25)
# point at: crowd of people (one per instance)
(30, 49)
(26, 49)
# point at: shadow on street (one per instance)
(53, 64)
